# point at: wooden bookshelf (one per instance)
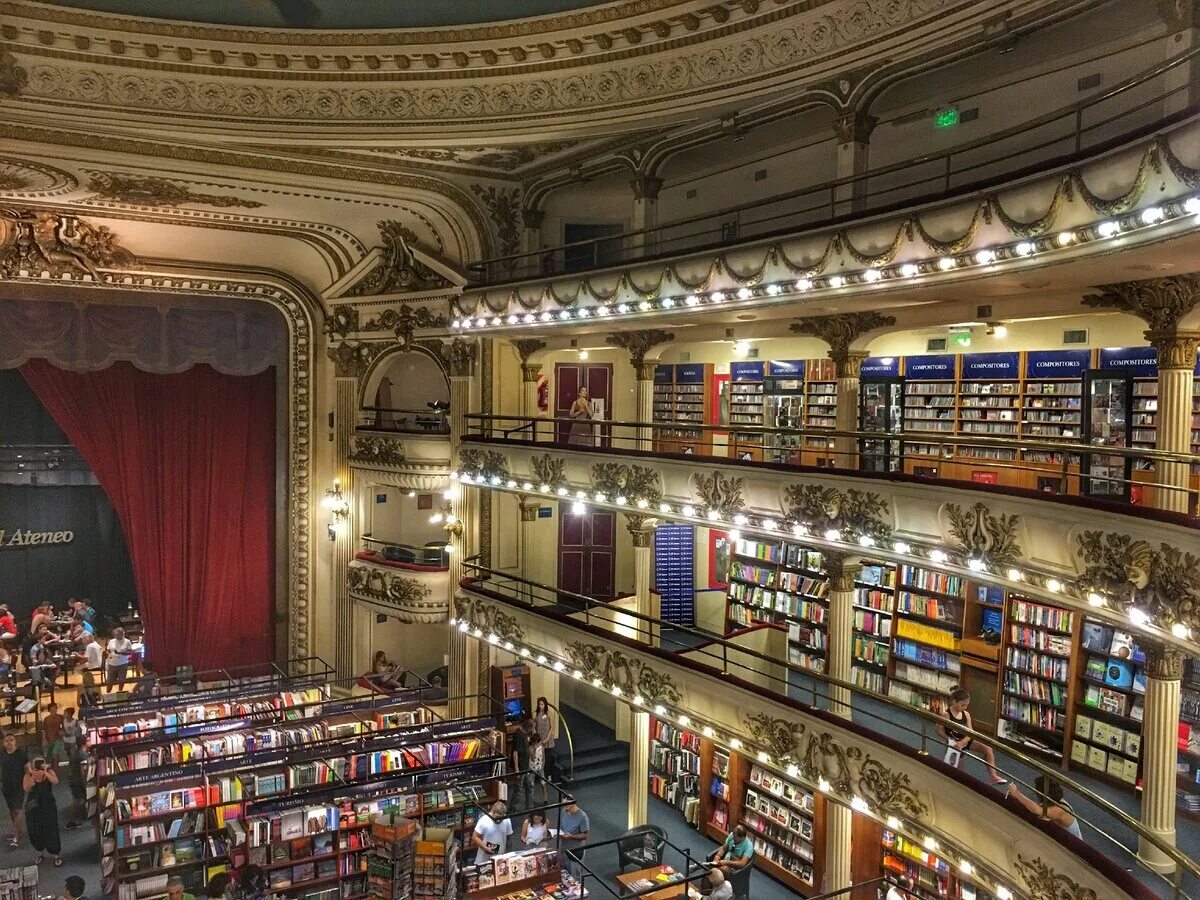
(1107, 730)
(720, 778)
(683, 396)
(786, 822)
(924, 875)
(675, 768)
(784, 391)
(746, 407)
(1188, 759)
(820, 409)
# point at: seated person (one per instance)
(736, 853)
(384, 672)
(91, 657)
(8, 625)
(42, 616)
(721, 888)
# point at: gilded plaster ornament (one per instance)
(504, 209)
(407, 599)
(341, 321)
(375, 450)
(150, 190)
(1160, 302)
(488, 618)
(1045, 883)
(854, 513)
(980, 534)
(483, 463)
(40, 240)
(1163, 582)
(404, 321)
(719, 492)
(617, 669)
(633, 482)
(841, 330)
(398, 270)
(548, 470)
(639, 343)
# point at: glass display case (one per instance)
(1108, 398)
(881, 408)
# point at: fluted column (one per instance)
(838, 824)
(842, 571)
(1176, 363)
(528, 512)
(645, 404)
(1160, 726)
(641, 529)
(345, 400)
(457, 686)
(849, 368)
(461, 679)
(639, 767)
(529, 381)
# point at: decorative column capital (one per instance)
(1159, 302)
(639, 343)
(1164, 663)
(840, 331)
(646, 187)
(842, 569)
(459, 357)
(645, 371)
(1176, 349)
(351, 359)
(526, 347)
(528, 508)
(854, 127)
(530, 373)
(641, 529)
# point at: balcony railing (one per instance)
(1126, 111)
(888, 719)
(403, 421)
(429, 556)
(1096, 473)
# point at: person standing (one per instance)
(581, 412)
(12, 774)
(519, 754)
(41, 811)
(120, 648)
(73, 888)
(491, 833)
(573, 828)
(543, 724)
(52, 734)
(537, 766)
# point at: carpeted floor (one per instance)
(81, 853)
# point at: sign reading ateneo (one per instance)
(26, 538)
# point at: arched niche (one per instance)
(406, 379)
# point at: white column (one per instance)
(346, 397)
(1160, 725)
(645, 213)
(645, 403)
(853, 133)
(529, 402)
(1176, 363)
(849, 365)
(457, 685)
(639, 768)
(641, 530)
(842, 571)
(838, 820)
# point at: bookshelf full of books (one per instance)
(989, 397)
(1052, 399)
(922, 874)
(929, 397)
(721, 774)
(927, 635)
(1107, 734)
(1035, 704)
(874, 605)
(783, 822)
(1187, 770)
(746, 405)
(675, 767)
(784, 390)
(196, 800)
(820, 398)
(683, 396)
(781, 583)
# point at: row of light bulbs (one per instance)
(661, 711)
(580, 498)
(1105, 230)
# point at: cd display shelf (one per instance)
(683, 396)
(746, 407)
(190, 815)
(989, 409)
(781, 584)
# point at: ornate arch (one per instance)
(375, 370)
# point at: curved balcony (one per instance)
(414, 460)
(412, 592)
(1126, 112)
(860, 749)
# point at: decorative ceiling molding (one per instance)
(618, 670)
(23, 179)
(852, 513)
(981, 535)
(487, 618)
(376, 450)
(1043, 882)
(720, 493)
(548, 470)
(401, 267)
(1159, 302)
(635, 483)
(150, 190)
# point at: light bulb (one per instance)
(832, 534)
(717, 297)
(688, 510)
(1152, 214)
(713, 515)
(769, 524)
(740, 519)
(644, 305)
(577, 675)
(707, 731)
(637, 700)
(623, 308)
(871, 276)
(660, 710)
(541, 660)
(901, 547)
(583, 313)
(865, 540)
(1094, 599)
(965, 867)
(774, 290)
(643, 503)
(799, 530)
(545, 317)
(527, 318)
(975, 564)
(600, 497)
(859, 804)
(945, 263)
(837, 281)
(602, 310)
(1065, 238)
(559, 666)
(1024, 248)
(562, 491)
(544, 488)
(938, 556)
(735, 743)
(930, 843)
(1014, 575)
(1108, 229)
(510, 484)
(685, 721)
(1003, 893)
(495, 320)
(745, 294)
(822, 785)
(667, 302)
(1192, 206)
(583, 354)
(1054, 585)
(664, 507)
(692, 300)
(763, 756)
(793, 770)
(893, 823)
(616, 691)
(804, 284)
(1138, 616)
(621, 501)
(578, 508)
(1181, 631)
(909, 270)
(984, 257)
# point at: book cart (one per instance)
(287, 784)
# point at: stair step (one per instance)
(599, 772)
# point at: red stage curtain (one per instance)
(188, 461)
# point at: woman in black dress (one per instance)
(41, 812)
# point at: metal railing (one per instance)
(403, 421)
(1049, 468)
(891, 719)
(1047, 141)
(432, 554)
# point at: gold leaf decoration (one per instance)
(978, 533)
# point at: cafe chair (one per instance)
(642, 847)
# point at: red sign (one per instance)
(985, 477)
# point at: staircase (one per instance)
(598, 754)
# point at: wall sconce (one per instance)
(338, 508)
(450, 523)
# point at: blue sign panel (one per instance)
(880, 367)
(689, 373)
(1057, 363)
(1140, 362)
(675, 572)
(993, 366)
(930, 368)
(746, 371)
(786, 368)
(664, 374)
(545, 512)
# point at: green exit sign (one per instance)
(961, 337)
(945, 118)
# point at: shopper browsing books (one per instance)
(41, 811)
(176, 890)
(534, 830)
(491, 833)
(12, 772)
(120, 648)
(721, 888)
(573, 828)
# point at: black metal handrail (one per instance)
(723, 657)
(828, 197)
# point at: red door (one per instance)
(567, 379)
(587, 553)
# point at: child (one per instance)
(52, 734)
(70, 733)
(537, 761)
(959, 742)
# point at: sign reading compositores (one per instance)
(880, 367)
(26, 538)
(1057, 363)
(993, 366)
(930, 368)
(1140, 362)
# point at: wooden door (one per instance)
(568, 377)
(587, 553)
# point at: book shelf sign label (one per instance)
(1140, 362)
(939, 367)
(664, 374)
(746, 371)
(1056, 363)
(991, 366)
(880, 367)
(788, 367)
(693, 373)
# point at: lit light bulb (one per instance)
(559, 666)
(945, 263)
(664, 507)
(707, 731)
(871, 276)
(583, 313)
(1191, 206)
(637, 700)
(545, 317)
(975, 564)
(965, 867)
(901, 547)
(763, 756)
(1152, 214)
(1054, 585)
(1024, 248)
(985, 257)
(832, 534)
(859, 804)
(692, 300)
(603, 311)
(660, 710)
(804, 284)
(562, 492)
(745, 294)
(713, 516)
(1108, 229)
(1095, 599)
(717, 297)
(930, 843)
(495, 320)
(643, 503)
(623, 308)
(667, 302)
(740, 519)
(1065, 238)
(600, 498)
(735, 743)
(865, 540)
(616, 691)
(583, 354)
(793, 770)
(799, 529)
(621, 500)
(893, 823)
(909, 270)
(769, 524)
(1014, 575)
(527, 318)
(689, 510)
(578, 508)
(1000, 331)
(511, 320)
(1181, 631)
(510, 484)
(823, 785)
(644, 305)
(685, 721)
(774, 290)
(544, 488)
(837, 281)
(938, 556)
(1138, 616)
(1003, 893)
(527, 486)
